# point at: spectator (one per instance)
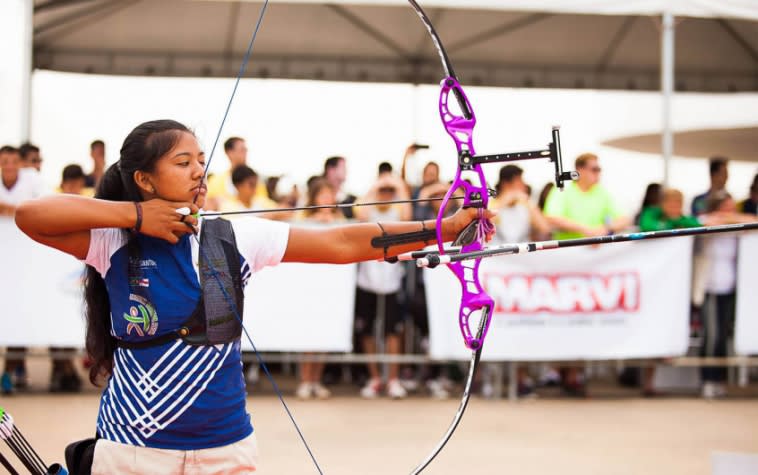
(385, 168)
(652, 198)
(246, 198)
(584, 208)
(516, 218)
(283, 191)
(220, 185)
(320, 193)
(335, 173)
(668, 214)
(544, 194)
(97, 154)
(719, 176)
(720, 297)
(64, 377)
(435, 376)
(430, 185)
(15, 187)
(30, 156)
(750, 205)
(379, 285)
(73, 180)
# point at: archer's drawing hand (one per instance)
(160, 219)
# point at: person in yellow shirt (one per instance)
(220, 185)
(246, 198)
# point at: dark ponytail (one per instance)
(141, 150)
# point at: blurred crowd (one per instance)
(390, 306)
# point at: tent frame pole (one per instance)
(667, 91)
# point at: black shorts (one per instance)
(367, 304)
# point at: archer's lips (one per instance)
(201, 189)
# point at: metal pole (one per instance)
(512, 381)
(667, 91)
(25, 119)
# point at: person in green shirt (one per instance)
(658, 218)
(668, 215)
(584, 208)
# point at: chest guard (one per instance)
(214, 320)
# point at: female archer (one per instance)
(164, 307)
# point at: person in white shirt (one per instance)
(16, 186)
(720, 285)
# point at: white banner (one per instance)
(746, 324)
(626, 300)
(291, 307)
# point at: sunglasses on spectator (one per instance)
(595, 169)
(387, 189)
(35, 160)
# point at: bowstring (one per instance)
(233, 307)
(214, 272)
(242, 70)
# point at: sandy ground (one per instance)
(547, 436)
(613, 433)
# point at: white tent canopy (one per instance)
(514, 43)
(746, 9)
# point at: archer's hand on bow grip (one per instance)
(160, 219)
(463, 218)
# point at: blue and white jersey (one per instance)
(173, 396)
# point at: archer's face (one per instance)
(178, 174)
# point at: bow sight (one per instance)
(553, 152)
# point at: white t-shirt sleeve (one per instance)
(261, 242)
(102, 244)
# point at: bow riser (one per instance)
(460, 127)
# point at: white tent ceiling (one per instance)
(540, 43)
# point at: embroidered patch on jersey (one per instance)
(139, 282)
(143, 263)
(142, 317)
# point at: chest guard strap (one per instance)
(213, 321)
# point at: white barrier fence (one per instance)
(292, 307)
(746, 325)
(628, 300)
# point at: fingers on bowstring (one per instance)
(180, 228)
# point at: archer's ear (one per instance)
(143, 182)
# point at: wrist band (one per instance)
(138, 223)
